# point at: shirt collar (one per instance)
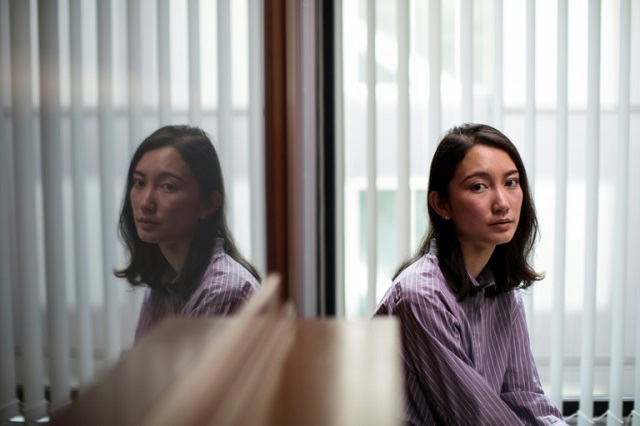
(218, 246)
(485, 279)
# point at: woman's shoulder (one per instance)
(513, 300)
(419, 284)
(224, 281)
(423, 277)
(228, 270)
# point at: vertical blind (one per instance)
(554, 76)
(81, 84)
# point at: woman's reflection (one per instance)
(174, 226)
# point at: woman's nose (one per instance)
(500, 203)
(147, 200)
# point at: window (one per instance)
(511, 51)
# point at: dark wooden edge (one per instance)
(275, 139)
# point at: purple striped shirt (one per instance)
(225, 285)
(466, 363)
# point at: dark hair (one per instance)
(510, 261)
(147, 265)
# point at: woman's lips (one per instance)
(146, 224)
(502, 225)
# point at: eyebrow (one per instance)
(486, 175)
(161, 175)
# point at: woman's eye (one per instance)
(512, 183)
(168, 187)
(139, 183)
(478, 187)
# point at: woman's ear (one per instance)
(440, 205)
(211, 205)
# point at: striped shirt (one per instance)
(466, 363)
(224, 286)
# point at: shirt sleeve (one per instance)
(521, 387)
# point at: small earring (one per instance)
(202, 217)
(447, 218)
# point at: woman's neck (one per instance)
(176, 256)
(476, 258)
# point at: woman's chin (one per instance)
(146, 238)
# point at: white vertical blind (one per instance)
(435, 70)
(256, 130)
(195, 86)
(403, 217)
(80, 231)
(619, 276)
(529, 151)
(108, 199)
(466, 60)
(134, 65)
(587, 358)
(26, 167)
(9, 404)
(562, 116)
(530, 94)
(498, 98)
(371, 156)
(164, 62)
(225, 105)
(83, 323)
(52, 178)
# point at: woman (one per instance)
(466, 349)
(174, 226)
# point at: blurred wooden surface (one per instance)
(332, 373)
(260, 366)
(135, 384)
(341, 373)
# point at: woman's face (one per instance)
(165, 200)
(485, 199)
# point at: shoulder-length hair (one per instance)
(147, 266)
(509, 262)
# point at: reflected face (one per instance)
(485, 199)
(165, 199)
